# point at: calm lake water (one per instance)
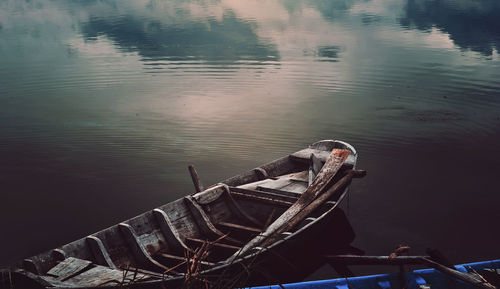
(103, 104)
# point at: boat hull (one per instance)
(181, 229)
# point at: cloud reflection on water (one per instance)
(471, 24)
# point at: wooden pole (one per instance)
(198, 186)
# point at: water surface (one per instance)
(103, 104)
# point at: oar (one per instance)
(318, 186)
(302, 214)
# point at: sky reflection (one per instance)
(473, 25)
(119, 96)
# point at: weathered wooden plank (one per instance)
(68, 268)
(220, 196)
(100, 253)
(236, 209)
(274, 184)
(266, 194)
(138, 249)
(217, 245)
(302, 176)
(305, 155)
(186, 227)
(41, 280)
(100, 275)
(278, 186)
(204, 222)
(174, 240)
(209, 195)
(262, 199)
(295, 187)
(147, 273)
(297, 176)
(181, 218)
(239, 227)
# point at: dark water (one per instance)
(103, 104)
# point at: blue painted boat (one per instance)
(417, 279)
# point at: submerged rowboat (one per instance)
(238, 231)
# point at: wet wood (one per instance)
(321, 182)
(101, 255)
(137, 248)
(198, 186)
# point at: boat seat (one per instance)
(78, 272)
(68, 268)
(291, 188)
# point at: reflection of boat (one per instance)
(214, 235)
(417, 279)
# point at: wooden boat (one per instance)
(221, 231)
(483, 274)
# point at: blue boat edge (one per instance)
(416, 279)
